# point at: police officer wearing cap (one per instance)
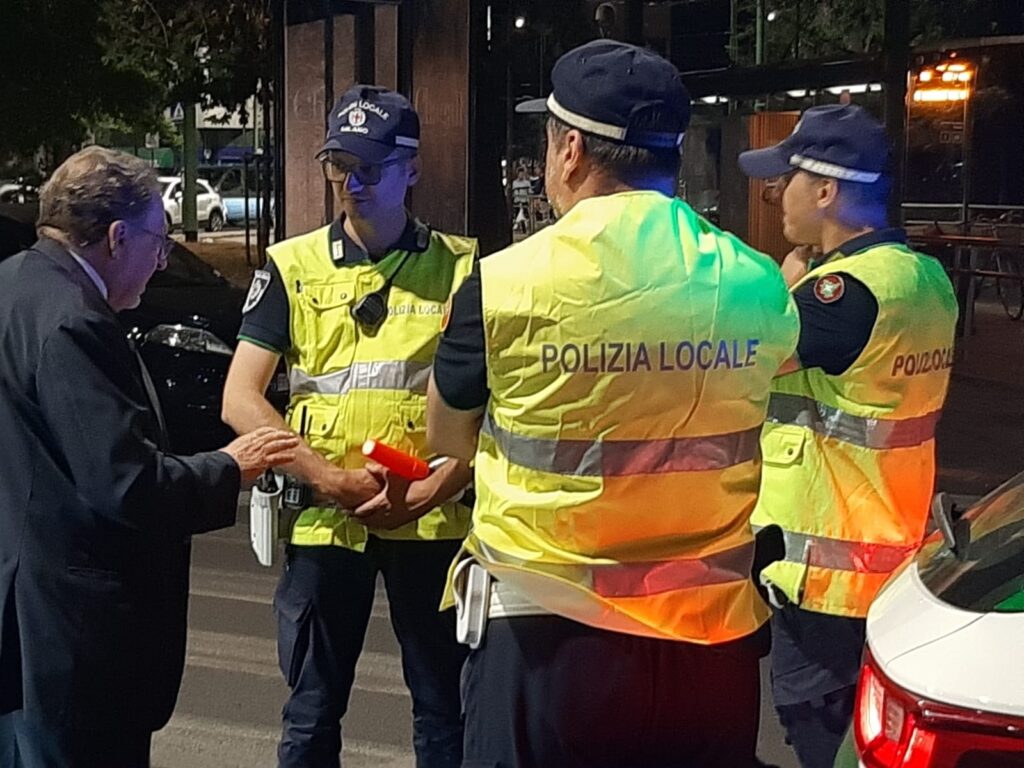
(355, 309)
(610, 376)
(849, 446)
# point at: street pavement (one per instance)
(228, 713)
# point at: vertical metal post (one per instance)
(245, 200)
(189, 219)
(365, 24)
(328, 98)
(896, 47)
(759, 33)
(277, 86)
(734, 43)
(967, 158)
(796, 38)
(634, 26)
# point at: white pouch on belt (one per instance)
(264, 521)
(472, 602)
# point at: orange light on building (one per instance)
(934, 95)
(943, 83)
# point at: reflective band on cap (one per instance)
(842, 555)
(406, 141)
(618, 458)
(383, 374)
(607, 130)
(832, 170)
(642, 579)
(828, 421)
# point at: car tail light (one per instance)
(898, 729)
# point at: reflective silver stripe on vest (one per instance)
(843, 555)
(828, 421)
(618, 458)
(382, 374)
(642, 579)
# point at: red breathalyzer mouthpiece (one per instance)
(399, 462)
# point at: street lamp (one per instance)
(773, 15)
(520, 22)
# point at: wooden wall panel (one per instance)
(764, 222)
(305, 108)
(386, 46)
(440, 86)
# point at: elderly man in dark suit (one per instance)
(95, 517)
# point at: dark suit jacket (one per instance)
(95, 520)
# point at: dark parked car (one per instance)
(185, 330)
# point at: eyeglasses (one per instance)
(166, 241)
(366, 174)
(773, 188)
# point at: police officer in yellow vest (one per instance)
(849, 446)
(610, 377)
(355, 309)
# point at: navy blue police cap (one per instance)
(371, 123)
(613, 90)
(839, 141)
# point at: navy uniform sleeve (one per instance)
(265, 316)
(460, 366)
(833, 334)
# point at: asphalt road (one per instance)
(228, 713)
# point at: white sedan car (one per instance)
(942, 684)
(209, 206)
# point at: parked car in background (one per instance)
(185, 330)
(233, 191)
(209, 206)
(942, 684)
(18, 192)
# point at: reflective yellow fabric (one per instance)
(349, 385)
(849, 460)
(630, 347)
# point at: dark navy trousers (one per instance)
(323, 606)
(547, 692)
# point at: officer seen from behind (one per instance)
(355, 309)
(610, 376)
(849, 445)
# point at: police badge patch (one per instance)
(829, 289)
(260, 283)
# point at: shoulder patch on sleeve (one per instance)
(260, 283)
(829, 289)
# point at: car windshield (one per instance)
(989, 576)
(185, 268)
(166, 185)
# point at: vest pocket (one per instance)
(326, 331)
(318, 426)
(783, 445)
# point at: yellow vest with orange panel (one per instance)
(630, 348)
(349, 385)
(849, 460)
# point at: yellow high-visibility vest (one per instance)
(349, 385)
(849, 460)
(630, 350)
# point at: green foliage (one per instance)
(815, 29)
(215, 54)
(74, 67)
(56, 81)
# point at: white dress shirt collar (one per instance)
(92, 273)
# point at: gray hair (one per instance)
(92, 189)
